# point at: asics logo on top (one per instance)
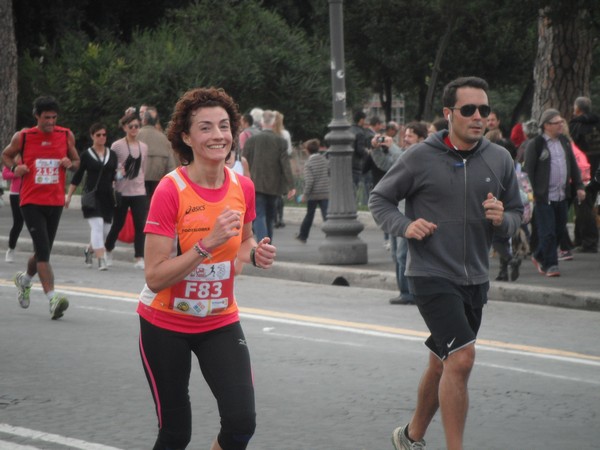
(192, 209)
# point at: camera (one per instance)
(381, 139)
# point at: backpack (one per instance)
(526, 192)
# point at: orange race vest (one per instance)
(42, 152)
(205, 296)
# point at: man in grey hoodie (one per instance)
(460, 189)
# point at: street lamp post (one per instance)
(342, 244)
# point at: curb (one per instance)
(364, 278)
(346, 276)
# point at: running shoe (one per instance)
(553, 271)
(109, 258)
(10, 255)
(401, 442)
(139, 264)
(58, 305)
(89, 257)
(23, 290)
(102, 264)
(565, 255)
(537, 265)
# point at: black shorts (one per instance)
(451, 312)
(42, 222)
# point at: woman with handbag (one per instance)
(131, 189)
(97, 200)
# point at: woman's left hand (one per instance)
(264, 254)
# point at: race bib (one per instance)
(47, 171)
(208, 290)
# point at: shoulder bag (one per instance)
(89, 199)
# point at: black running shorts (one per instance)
(451, 312)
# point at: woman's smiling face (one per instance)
(210, 133)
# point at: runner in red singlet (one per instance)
(47, 151)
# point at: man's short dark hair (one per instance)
(359, 115)
(149, 118)
(45, 103)
(584, 104)
(449, 95)
(440, 124)
(419, 128)
(375, 120)
(248, 119)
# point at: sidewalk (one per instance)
(577, 287)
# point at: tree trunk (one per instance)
(385, 98)
(563, 63)
(8, 74)
(444, 43)
(522, 110)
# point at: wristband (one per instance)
(253, 257)
(202, 250)
(13, 168)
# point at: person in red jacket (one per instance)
(47, 151)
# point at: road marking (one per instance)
(312, 339)
(348, 326)
(538, 373)
(49, 437)
(412, 335)
(12, 446)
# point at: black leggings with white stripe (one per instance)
(225, 363)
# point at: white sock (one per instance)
(50, 294)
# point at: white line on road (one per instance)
(539, 373)
(12, 446)
(49, 437)
(270, 331)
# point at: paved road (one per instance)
(335, 368)
(578, 287)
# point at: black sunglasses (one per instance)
(469, 110)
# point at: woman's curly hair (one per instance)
(181, 119)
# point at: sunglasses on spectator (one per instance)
(469, 110)
(131, 127)
(100, 134)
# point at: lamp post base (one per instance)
(342, 245)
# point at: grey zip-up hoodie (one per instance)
(443, 188)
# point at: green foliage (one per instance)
(88, 79)
(260, 61)
(250, 52)
(400, 38)
(271, 53)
